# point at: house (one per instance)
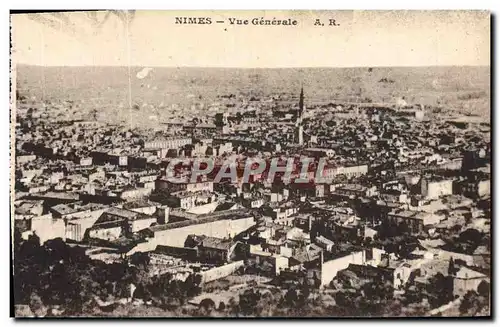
(435, 188)
(220, 224)
(331, 266)
(324, 243)
(306, 256)
(79, 217)
(115, 222)
(319, 152)
(149, 208)
(466, 279)
(413, 220)
(46, 227)
(165, 184)
(352, 191)
(27, 208)
(352, 171)
(298, 235)
(212, 249)
(172, 143)
(356, 274)
(346, 227)
(282, 214)
(252, 202)
(189, 200)
(275, 262)
(476, 188)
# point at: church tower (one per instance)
(300, 128)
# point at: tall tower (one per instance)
(301, 102)
(300, 128)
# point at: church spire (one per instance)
(300, 128)
(301, 101)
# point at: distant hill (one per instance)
(462, 88)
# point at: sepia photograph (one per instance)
(250, 164)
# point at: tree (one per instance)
(291, 298)
(140, 259)
(451, 267)
(440, 289)
(36, 305)
(18, 239)
(57, 250)
(192, 285)
(248, 302)
(207, 305)
(484, 289)
(471, 236)
(473, 303)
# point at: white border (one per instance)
(258, 4)
(200, 4)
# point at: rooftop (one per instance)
(409, 214)
(216, 243)
(119, 214)
(69, 208)
(139, 204)
(352, 187)
(467, 273)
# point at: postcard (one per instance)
(243, 164)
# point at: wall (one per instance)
(452, 165)
(483, 188)
(281, 263)
(106, 234)
(202, 186)
(74, 232)
(77, 233)
(204, 208)
(348, 171)
(220, 272)
(140, 224)
(136, 193)
(178, 252)
(86, 161)
(376, 257)
(167, 144)
(145, 210)
(437, 189)
(47, 228)
(85, 214)
(220, 229)
(25, 159)
(148, 178)
(330, 268)
(278, 262)
(38, 189)
(446, 255)
(211, 255)
(286, 252)
(462, 285)
(431, 219)
(141, 247)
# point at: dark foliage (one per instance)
(58, 274)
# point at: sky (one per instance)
(363, 38)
